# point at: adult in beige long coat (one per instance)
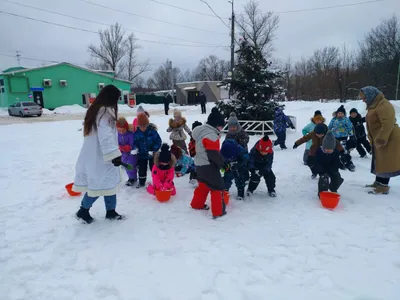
(384, 135)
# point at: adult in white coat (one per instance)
(97, 169)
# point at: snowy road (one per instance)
(283, 248)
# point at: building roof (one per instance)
(13, 69)
(195, 82)
(24, 70)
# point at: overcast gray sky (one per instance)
(299, 34)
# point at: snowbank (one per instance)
(3, 112)
(69, 109)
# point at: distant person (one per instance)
(384, 135)
(281, 122)
(203, 101)
(167, 100)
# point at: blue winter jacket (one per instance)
(238, 157)
(281, 121)
(262, 163)
(147, 141)
(341, 127)
(185, 164)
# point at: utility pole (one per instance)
(398, 79)
(232, 43)
(18, 58)
(172, 81)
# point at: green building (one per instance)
(57, 85)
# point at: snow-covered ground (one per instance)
(283, 248)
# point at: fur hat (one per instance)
(140, 110)
(265, 145)
(177, 113)
(176, 151)
(143, 120)
(318, 118)
(341, 109)
(329, 141)
(122, 123)
(317, 113)
(215, 119)
(196, 124)
(230, 149)
(320, 129)
(165, 154)
(353, 110)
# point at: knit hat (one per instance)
(230, 149)
(233, 122)
(177, 113)
(320, 129)
(122, 123)
(215, 119)
(369, 93)
(196, 124)
(265, 145)
(353, 110)
(143, 120)
(329, 141)
(165, 154)
(317, 113)
(140, 110)
(341, 109)
(176, 151)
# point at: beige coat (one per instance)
(384, 135)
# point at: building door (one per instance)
(38, 98)
(191, 98)
(84, 100)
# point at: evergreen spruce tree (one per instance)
(253, 85)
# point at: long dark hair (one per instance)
(108, 97)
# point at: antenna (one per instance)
(18, 58)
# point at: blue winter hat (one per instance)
(230, 149)
(369, 93)
(320, 129)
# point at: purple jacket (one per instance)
(128, 138)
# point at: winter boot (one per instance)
(323, 184)
(272, 193)
(140, 185)
(83, 214)
(381, 189)
(249, 193)
(131, 182)
(240, 195)
(373, 186)
(113, 215)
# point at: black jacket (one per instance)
(168, 99)
(202, 99)
(262, 163)
(358, 124)
(326, 163)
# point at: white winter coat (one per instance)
(95, 174)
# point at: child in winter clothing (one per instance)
(208, 163)
(281, 122)
(126, 141)
(236, 132)
(147, 141)
(327, 165)
(360, 134)
(236, 166)
(139, 111)
(342, 129)
(260, 165)
(316, 138)
(317, 119)
(184, 164)
(163, 171)
(176, 126)
(192, 143)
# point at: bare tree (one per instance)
(189, 76)
(258, 27)
(132, 68)
(139, 82)
(112, 48)
(96, 64)
(212, 68)
(162, 77)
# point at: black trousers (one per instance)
(269, 178)
(142, 169)
(281, 139)
(311, 164)
(203, 108)
(362, 141)
(166, 108)
(381, 180)
(335, 182)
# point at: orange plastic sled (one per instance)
(329, 200)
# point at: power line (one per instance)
(149, 18)
(184, 9)
(90, 31)
(206, 3)
(100, 23)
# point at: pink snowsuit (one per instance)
(162, 179)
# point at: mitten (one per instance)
(134, 152)
(151, 153)
(117, 161)
(295, 146)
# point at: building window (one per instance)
(1, 82)
(2, 86)
(2, 90)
